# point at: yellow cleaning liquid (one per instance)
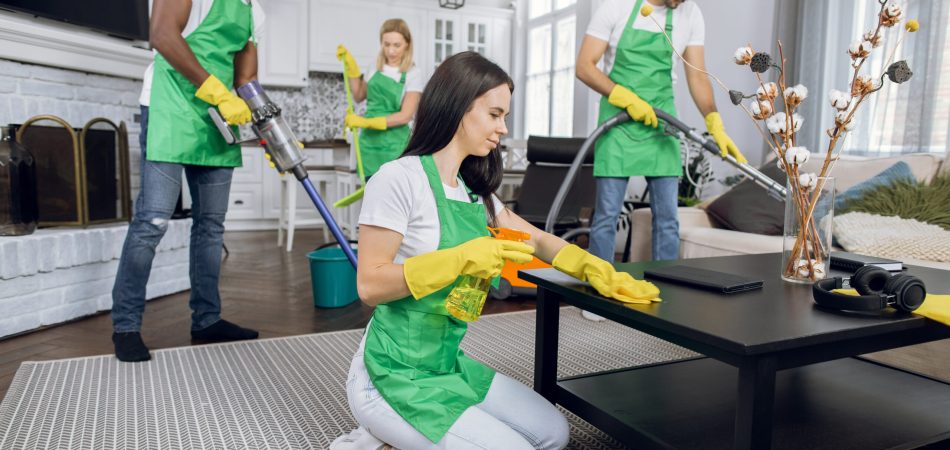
(466, 300)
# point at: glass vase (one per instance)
(806, 246)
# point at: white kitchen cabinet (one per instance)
(482, 30)
(282, 51)
(353, 23)
(254, 202)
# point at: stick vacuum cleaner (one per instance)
(279, 142)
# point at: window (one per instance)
(444, 38)
(550, 68)
(914, 116)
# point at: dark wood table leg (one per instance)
(754, 403)
(545, 345)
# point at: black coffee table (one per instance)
(778, 371)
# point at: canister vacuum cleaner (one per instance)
(282, 146)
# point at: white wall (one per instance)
(726, 30)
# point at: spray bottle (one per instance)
(466, 300)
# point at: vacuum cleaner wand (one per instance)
(279, 142)
(774, 189)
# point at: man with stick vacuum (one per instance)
(203, 48)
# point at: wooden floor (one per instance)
(265, 288)
(262, 287)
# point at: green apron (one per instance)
(412, 346)
(180, 129)
(643, 64)
(377, 147)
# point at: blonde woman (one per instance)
(392, 93)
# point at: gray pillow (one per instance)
(748, 207)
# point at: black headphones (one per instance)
(878, 288)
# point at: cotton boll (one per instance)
(860, 49)
(776, 123)
(819, 269)
(743, 55)
(807, 180)
(767, 91)
(797, 155)
(839, 100)
(797, 121)
(795, 95)
(760, 110)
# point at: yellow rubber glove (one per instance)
(481, 257)
(638, 109)
(232, 108)
(935, 306)
(584, 266)
(718, 132)
(374, 123)
(349, 62)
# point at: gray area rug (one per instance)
(272, 393)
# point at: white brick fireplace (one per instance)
(59, 274)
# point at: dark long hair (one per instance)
(448, 95)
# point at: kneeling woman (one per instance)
(422, 225)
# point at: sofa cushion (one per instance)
(747, 207)
(899, 171)
(851, 170)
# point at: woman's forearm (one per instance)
(381, 283)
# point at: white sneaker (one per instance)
(358, 439)
(591, 316)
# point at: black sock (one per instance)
(223, 331)
(130, 348)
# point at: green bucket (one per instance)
(332, 278)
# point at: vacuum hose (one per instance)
(774, 189)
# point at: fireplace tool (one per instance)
(282, 147)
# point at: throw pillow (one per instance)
(899, 171)
(748, 207)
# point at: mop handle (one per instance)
(356, 135)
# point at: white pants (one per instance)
(511, 417)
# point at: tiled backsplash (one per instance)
(315, 112)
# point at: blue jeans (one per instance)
(610, 195)
(161, 184)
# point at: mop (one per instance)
(349, 199)
(282, 147)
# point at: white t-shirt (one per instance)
(200, 10)
(611, 17)
(398, 197)
(415, 82)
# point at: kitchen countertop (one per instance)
(326, 143)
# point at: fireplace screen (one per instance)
(82, 175)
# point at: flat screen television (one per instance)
(122, 18)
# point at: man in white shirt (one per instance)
(638, 76)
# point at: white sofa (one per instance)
(700, 237)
